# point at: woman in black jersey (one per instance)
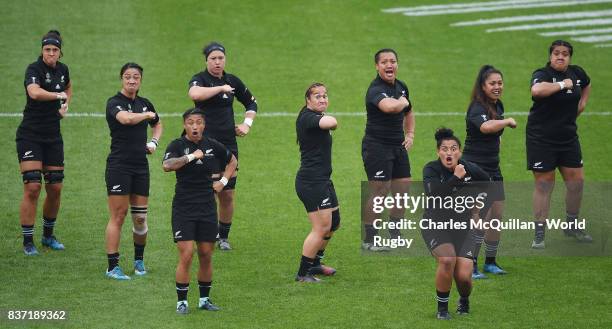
(313, 181)
(40, 148)
(485, 124)
(560, 92)
(213, 91)
(127, 167)
(447, 231)
(194, 158)
(389, 135)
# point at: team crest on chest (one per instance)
(48, 77)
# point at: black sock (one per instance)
(464, 300)
(113, 260)
(28, 232)
(318, 257)
(305, 265)
(478, 238)
(181, 291)
(48, 224)
(442, 298)
(491, 251)
(394, 233)
(370, 232)
(204, 288)
(539, 229)
(138, 251)
(224, 230)
(570, 217)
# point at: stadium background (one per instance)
(278, 48)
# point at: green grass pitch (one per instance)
(278, 48)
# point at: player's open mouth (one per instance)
(449, 159)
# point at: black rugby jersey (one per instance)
(315, 146)
(218, 109)
(41, 120)
(439, 181)
(552, 119)
(193, 181)
(383, 127)
(480, 147)
(128, 142)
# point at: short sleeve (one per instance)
(113, 107)
(406, 94)
(243, 94)
(196, 81)
(540, 76)
(477, 114)
(173, 150)
(310, 120)
(32, 76)
(67, 75)
(583, 77)
(375, 95)
(151, 108)
(221, 152)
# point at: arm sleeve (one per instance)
(32, 76)
(243, 94)
(112, 108)
(478, 173)
(432, 184)
(539, 76)
(152, 109)
(375, 95)
(407, 94)
(195, 81)
(221, 152)
(173, 150)
(585, 80)
(477, 114)
(67, 76)
(311, 120)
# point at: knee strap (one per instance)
(335, 220)
(139, 219)
(31, 176)
(54, 176)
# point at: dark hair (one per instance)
(443, 134)
(558, 43)
(209, 48)
(384, 50)
(130, 65)
(478, 95)
(192, 111)
(52, 38)
(311, 87)
(306, 96)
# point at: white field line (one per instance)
(481, 7)
(583, 22)
(457, 5)
(294, 114)
(604, 45)
(529, 18)
(594, 38)
(576, 32)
